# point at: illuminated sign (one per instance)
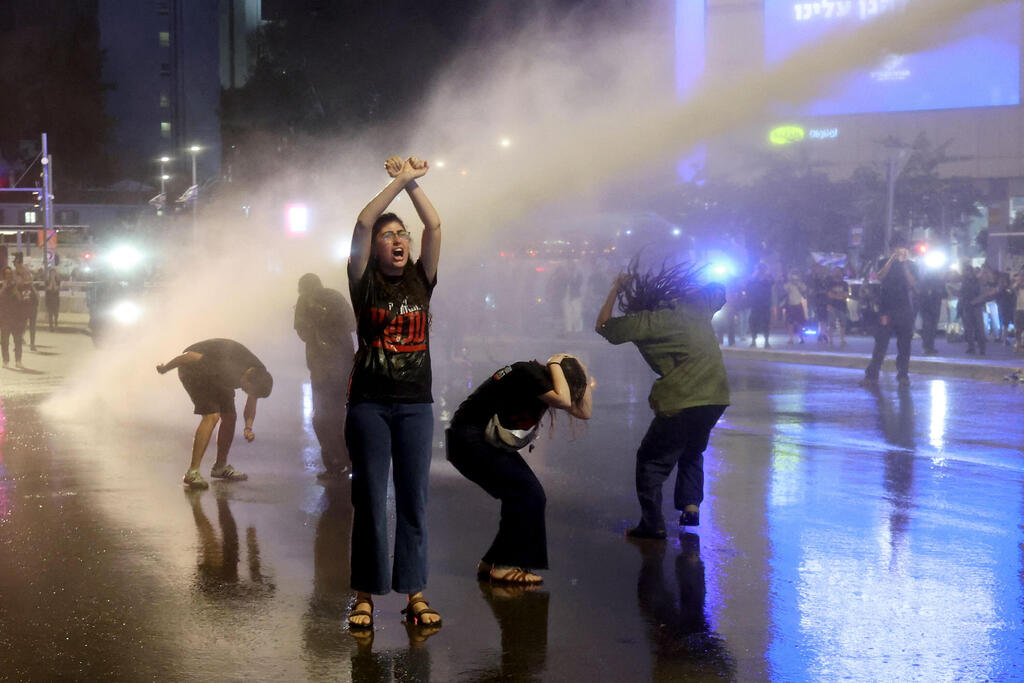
(823, 133)
(786, 135)
(838, 10)
(979, 66)
(297, 218)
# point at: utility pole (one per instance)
(50, 236)
(47, 206)
(897, 158)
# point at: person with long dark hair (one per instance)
(487, 432)
(390, 419)
(667, 315)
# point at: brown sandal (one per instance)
(413, 615)
(516, 576)
(361, 613)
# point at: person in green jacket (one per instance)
(667, 314)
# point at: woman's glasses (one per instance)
(391, 234)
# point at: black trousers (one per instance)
(33, 318)
(329, 410)
(903, 328)
(929, 326)
(673, 440)
(974, 327)
(760, 320)
(522, 536)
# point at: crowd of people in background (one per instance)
(975, 305)
(19, 308)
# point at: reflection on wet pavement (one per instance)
(846, 534)
(217, 570)
(685, 647)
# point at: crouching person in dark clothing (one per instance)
(668, 317)
(325, 321)
(487, 432)
(210, 371)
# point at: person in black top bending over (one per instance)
(390, 420)
(515, 398)
(210, 371)
(898, 278)
(324, 320)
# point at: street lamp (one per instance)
(163, 175)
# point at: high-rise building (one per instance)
(162, 59)
(238, 20)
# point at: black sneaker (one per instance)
(688, 518)
(869, 383)
(640, 532)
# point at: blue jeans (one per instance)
(376, 435)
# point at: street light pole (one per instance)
(163, 176)
(49, 234)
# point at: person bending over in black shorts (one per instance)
(210, 371)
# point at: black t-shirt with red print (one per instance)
(512, 393)
(392, 364)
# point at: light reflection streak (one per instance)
(937, 417)
(5, 483)
(787, 452)
(847, 601)
(311, 449)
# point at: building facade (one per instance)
(162, 59)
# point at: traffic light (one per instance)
(921, 248)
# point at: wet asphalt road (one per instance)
(845, 534)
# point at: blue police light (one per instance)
(720, 270)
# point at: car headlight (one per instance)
(126, 312)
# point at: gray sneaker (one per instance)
(194, 480)
(229, 473)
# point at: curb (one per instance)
(858, 361)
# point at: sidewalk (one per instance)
(57, 356)
(999, 361)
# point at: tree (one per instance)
(53, 77)
(926, 199)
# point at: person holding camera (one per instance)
(897, 282)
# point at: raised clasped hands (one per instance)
(410, 169)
